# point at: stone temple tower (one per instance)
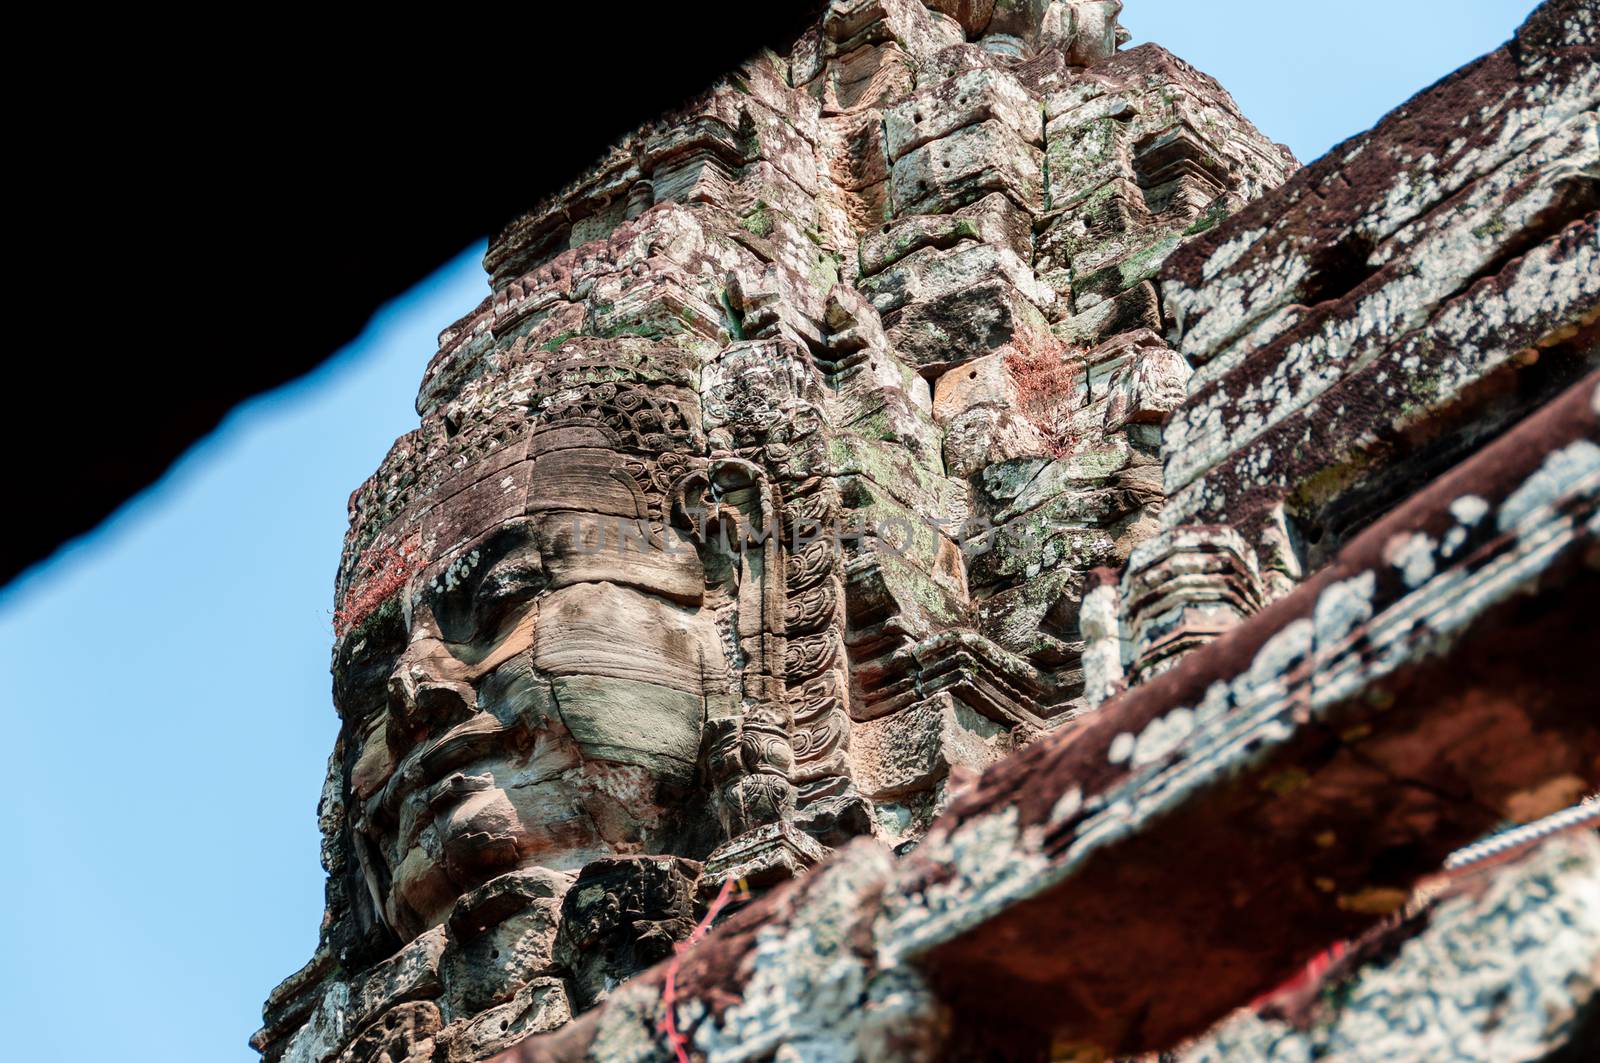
(753, 511)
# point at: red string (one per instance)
(1310, 974)
(669, 994)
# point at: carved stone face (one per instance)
(548, 706)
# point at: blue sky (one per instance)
(167, 676)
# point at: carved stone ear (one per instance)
(688, 502)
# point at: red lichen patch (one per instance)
(381, 572)
(1043, 370)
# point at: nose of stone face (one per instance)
(423, 703)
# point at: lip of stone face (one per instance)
(474, 841)
(462, 745)
(477, 825)
(454, 787)
(472, 741)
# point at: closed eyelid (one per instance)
(514, 576)
(512, 572)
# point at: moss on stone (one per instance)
(824, 272)
(758, 221)
(552, 345)
(1210, 220)
(1495, 226)
(1145, 264)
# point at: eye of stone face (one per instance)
(473, 594)
(515, 580)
